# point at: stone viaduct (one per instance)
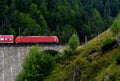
(12, 56)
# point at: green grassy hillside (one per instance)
(96, 60)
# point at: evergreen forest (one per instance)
(62, 18)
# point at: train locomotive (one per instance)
(28, 39)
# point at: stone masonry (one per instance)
(11, 58)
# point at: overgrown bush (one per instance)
(73, 43)
(67, 52)
(64, 56)
(107, 44)
(59, 58)
(36, 66)
(118, 59)
(112, 77)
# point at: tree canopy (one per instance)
(57, 17)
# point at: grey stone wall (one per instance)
(11, 58)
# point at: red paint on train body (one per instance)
(6, 39)
(37, 39)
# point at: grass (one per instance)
(93, 63)
(113, 72)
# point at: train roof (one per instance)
(36, 36)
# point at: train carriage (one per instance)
(36, 39)
(6, 39)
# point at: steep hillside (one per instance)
(94, 61)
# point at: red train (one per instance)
(28, 39)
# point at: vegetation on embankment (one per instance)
(98, 60)
(36, 65)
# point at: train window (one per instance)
(6, 39)
(1, 39)
(10, 39)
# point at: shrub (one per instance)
(112, 77)
(118, 59)
(59, 58)
(64, 56)
(115, 27)
(68, 50)
(36, 66)
(74, 42)
(107, 44)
